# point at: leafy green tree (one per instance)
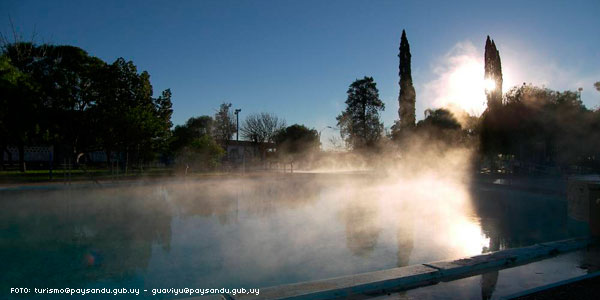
(202, 154)
(194, 128)
(295, 142)
(359, 123)
(66, 76)
(224, 124)
(78, 103)
(8, 85)
(20, 116)
(164, 111)
(129, 120)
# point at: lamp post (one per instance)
(237, 124)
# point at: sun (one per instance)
(460, 85)
(465, 87)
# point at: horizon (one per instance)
(291, 57)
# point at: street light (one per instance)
(237, 124)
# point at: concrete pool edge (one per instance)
(403, 278)
(551, 286)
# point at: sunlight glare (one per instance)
(489, 84)
(467, 234)
(466, 87)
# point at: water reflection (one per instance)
(81, 238)
(256, 233)
(404, 235)
(361, 218)
(516, 219)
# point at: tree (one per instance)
(20, 108)
(597, 86)
(296, 141)
(493, 72)
(128, 118)
(202, 153)
(262, 128)
(442, 126)
(224, 125)
(78, 103)
(359, 123)
(194, 128)
(66, 76)
(21, 98)
(542, 126)
(440, 118)
(407, 97)
(164, 111)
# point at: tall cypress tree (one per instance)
(493, 71)
(406, 99)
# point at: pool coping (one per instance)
(403, 278)
(550, 286)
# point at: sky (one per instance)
(297, 58)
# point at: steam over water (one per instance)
(258, 232)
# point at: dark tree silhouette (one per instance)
(493, 72)
(296, 141)
(20, 115)
(441, 125)
(78, 104)
(407, 97)
(262, 128)
(440, 118)
(359, 123)
(541, 127)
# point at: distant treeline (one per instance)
(62, 96)
(532, 127)
(542, 127)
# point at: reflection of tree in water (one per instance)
(279, 193)
(360, 217)
(513, 219)
(224, 199)
(517, 219)
(206, 198)
(72, 238)
(404, 218)
(490, 279)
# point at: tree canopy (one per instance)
(78, 103)
(296, 141)
(542, 126)
(262, 128)
(224, 124)
(359, 123)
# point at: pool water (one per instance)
(257, 232)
